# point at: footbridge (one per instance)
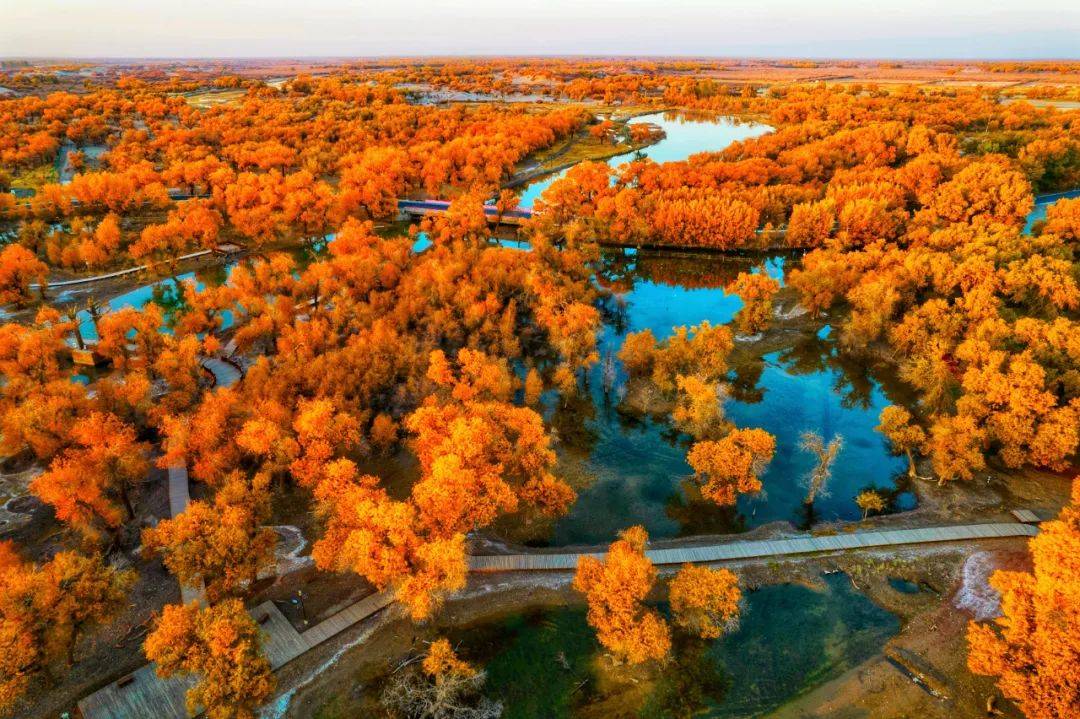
(421, 208)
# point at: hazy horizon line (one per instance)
(600, 56)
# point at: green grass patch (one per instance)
(536, 663)
(36, 177)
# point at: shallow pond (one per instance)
(632, 470)
(546, 664)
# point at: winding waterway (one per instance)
(630, 469)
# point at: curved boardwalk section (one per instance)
(225, 373)
(144, 694)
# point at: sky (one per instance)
(714, 28)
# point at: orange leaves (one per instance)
(731, 466)
(19, 268)
(45, 610)
(222, 546)
(478, 376)
(698, 410)
(986, 190)
(705, 601)
(380, 539)
(684, 219)
(756, 290)
(810, 224)
(615, 589)
(479, 454)
(373, 182)
(1009, 398)
(220, 645)
(193, 224)
(270, 206)
(89, 485)
(955, 447)
(701, 351)
(903, 434)
(322, 432)
(441, 661)
(1032, 649)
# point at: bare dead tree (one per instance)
(819, 476)
(415, 695)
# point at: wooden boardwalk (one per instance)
(737, 550)
(225, 373)
(144, 694)
(179, 496)
(118, 273)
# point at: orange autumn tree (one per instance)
(77, 592)
(705, 601)
(700, 351)
(480, 454)
(223, 545)
(1034, 647)
(903, 434)
(19, 268)
(90, 485)
(45, 610)
(731, 466)
(220, 645)
(756, 290)
(384, 541)
(615, 590)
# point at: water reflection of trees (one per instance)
(744, 381)
(572, 420)
(694, 679)
(857, 373)
(697, 515)
(618, 270)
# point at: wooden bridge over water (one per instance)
(144, 694)
(421, 208)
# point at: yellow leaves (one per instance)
(1043, 281)
(440, 569)
(705, 601)
(477, 377)
(223, 545)
(731, 466)
(955, 447)
(442, 661)
(1032, 648)
(19, 268)
(615, 590)
(756, 290)
(454, 497)
(699, 351)
(220, 645)
(698, 410)
(870, 501)
(45, 610)
(899, 429)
